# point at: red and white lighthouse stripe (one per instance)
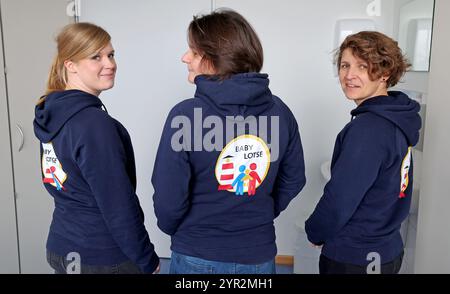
(227, 175)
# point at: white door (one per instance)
(9, 255)
(29, 30)
(149, 38)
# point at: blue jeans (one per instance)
(59, 264)
(184, 264)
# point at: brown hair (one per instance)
(75, 42)
(381, 53)
(227, 42)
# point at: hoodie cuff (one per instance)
(152, 265)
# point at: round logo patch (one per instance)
(406, 163)
(51, 167)
(243, 165)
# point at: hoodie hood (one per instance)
(241, 94)
(397, 108)
(57, 109)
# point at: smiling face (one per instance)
(93, 74)
(196, 65)
(355, 80)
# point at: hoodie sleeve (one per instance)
(170, 179)
(354, 171)
(291, 173)
(102, 158)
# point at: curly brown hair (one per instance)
(384, 56)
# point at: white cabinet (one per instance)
(9, 255)
(29, 29)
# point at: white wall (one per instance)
(433, 237)
(149, 38)
(297, 37)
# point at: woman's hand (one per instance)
(157, 269)
(316, 246)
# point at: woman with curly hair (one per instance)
(358, 218)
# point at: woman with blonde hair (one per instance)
(88, 163)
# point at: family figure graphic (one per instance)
(53, 179)
(251, 176)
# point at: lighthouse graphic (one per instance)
(227, 173)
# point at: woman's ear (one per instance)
(70, 66)
(385, 77)
(208, 67)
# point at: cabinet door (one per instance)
(149, 38)
(29, 30)
(9, 256)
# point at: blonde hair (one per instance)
(75, 42)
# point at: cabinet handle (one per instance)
(21, 137)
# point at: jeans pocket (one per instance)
(266, 268)
(183, 264)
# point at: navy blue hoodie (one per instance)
(220, 204)
(88, 167)
(369, 193)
